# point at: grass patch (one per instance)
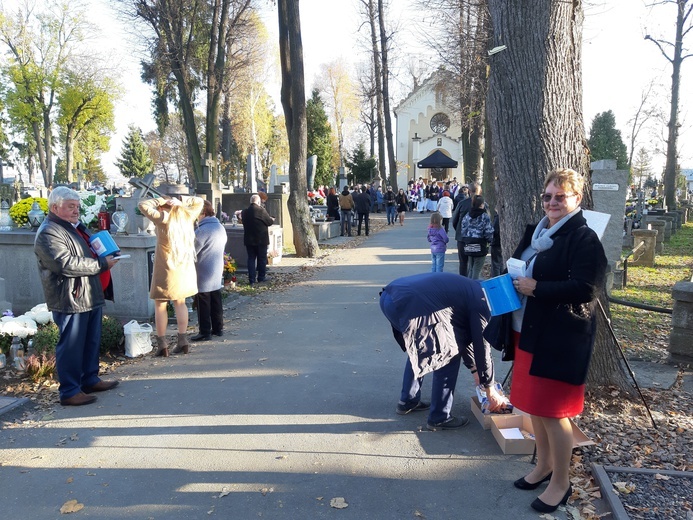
(645, 334)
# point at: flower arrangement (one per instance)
(20, 210)
(90, 205)
(229, 267)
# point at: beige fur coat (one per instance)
(171, 282)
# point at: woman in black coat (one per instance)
(554, 330)
(333, 204)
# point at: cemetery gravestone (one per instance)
(609, 190)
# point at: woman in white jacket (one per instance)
(445, 206)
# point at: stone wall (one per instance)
(131, 277)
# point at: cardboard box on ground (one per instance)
(505, 426)
(518, 425)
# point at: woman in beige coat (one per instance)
(174, 277)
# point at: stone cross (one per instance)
(145, 186)
(208, 168)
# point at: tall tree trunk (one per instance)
(189, 126)
(392, 161)
(673, 125)
(293, 98)
(36, 130)
(535, 112)
(683, 13)
(226, 136)
(382, 157)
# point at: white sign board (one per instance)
(605, 187)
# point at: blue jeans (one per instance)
(437, 262)
(77, 351)
(345, 217)
(442, 389)
(391, 214)
(257, 255)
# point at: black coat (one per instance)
(559, 323)
(256, 223)
(362, 201)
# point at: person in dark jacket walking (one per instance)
(210, 241)
(76, 282)
(390, 201)
(461, 209)
(362, 201)
(438, 319)
(256, 223)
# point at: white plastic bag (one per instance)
(138, 339)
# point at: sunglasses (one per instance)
(558, 197)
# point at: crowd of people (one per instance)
(438, 319)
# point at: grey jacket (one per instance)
(69, 273)
(210, 241)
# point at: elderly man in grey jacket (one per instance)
(210, 241)
(74, 279)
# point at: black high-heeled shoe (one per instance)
(543, 507)
(521, 483)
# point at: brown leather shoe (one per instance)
(78, 399)
(101, 386)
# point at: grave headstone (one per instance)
(680, 344)
(644, 247)
(4, 304)
(273, 179)
(609, 190)
(208, 188)
(658, 226)
(311, 165)
(342, 179)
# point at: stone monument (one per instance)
(209, 186)
(609, 190)
(311, 165)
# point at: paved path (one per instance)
(292, 408)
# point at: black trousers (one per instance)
(462, 258)
(363, 217)
(210, 314)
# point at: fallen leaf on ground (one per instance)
(71, 506)
(659, 476)
(338, 503)
(224, 491)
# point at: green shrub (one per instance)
(112, 334)
(5, 342)
(46, 338)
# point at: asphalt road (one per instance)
(293, 408)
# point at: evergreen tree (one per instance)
(361, 167)
(605, 140)
(319, 139)
(134, 160)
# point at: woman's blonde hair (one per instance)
(565, 178)
(181, 236)
(436, 218)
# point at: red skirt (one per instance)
(541, 396)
